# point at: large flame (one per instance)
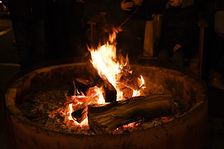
(104, 60)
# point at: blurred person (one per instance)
(100, 14)
(179, 32)
(131, 39)
(217, 54)
(127, 5)
(28, 19)
(129, 17)
(21, 16)
(46, 29)
(39, 41)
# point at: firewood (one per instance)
(104, 119)
(80, 115)
(81, 85)
(110, 93)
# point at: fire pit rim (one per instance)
(13, 110)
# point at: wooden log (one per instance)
(110, 93)
(104, 119)
(79, 85)
(80, 114)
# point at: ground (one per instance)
(9, 67)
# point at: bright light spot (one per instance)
(70, 112)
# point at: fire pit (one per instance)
(107, 104)
(187, 130)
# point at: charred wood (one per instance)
(80, 114)
(110, 93)
(104, 119)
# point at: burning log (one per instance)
(80, 85)
(80, 115)
(70, 90)
(104, 119)
(110, 93)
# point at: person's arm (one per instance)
(176, 47)
(137, 2)
(80, 1)
(127, 6)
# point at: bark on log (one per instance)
(104, 119)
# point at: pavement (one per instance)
(9, 67)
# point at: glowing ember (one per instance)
(142, 84)
(70, 112)
(128, 126)
(136, 93)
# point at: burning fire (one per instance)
(105, 61)
(110, 69)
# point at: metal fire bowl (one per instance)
(186, 132)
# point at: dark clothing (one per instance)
(179, 27)
(147, 8)
(219, 5)
(29, 28)
(177, 57)
(217, 51)
(27, 31)
(217, 55)
(131, 39)
(23, 33)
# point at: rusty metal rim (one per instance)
(14, 111)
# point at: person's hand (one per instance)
(126, 5)
(80, 1)
(117, 29)
(174, 3)
(138, 2)
(176, 47)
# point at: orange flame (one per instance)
(104, 60)
(70, 112)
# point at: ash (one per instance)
(41, 108)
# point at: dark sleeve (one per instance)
(179, 25)
(188, 28)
